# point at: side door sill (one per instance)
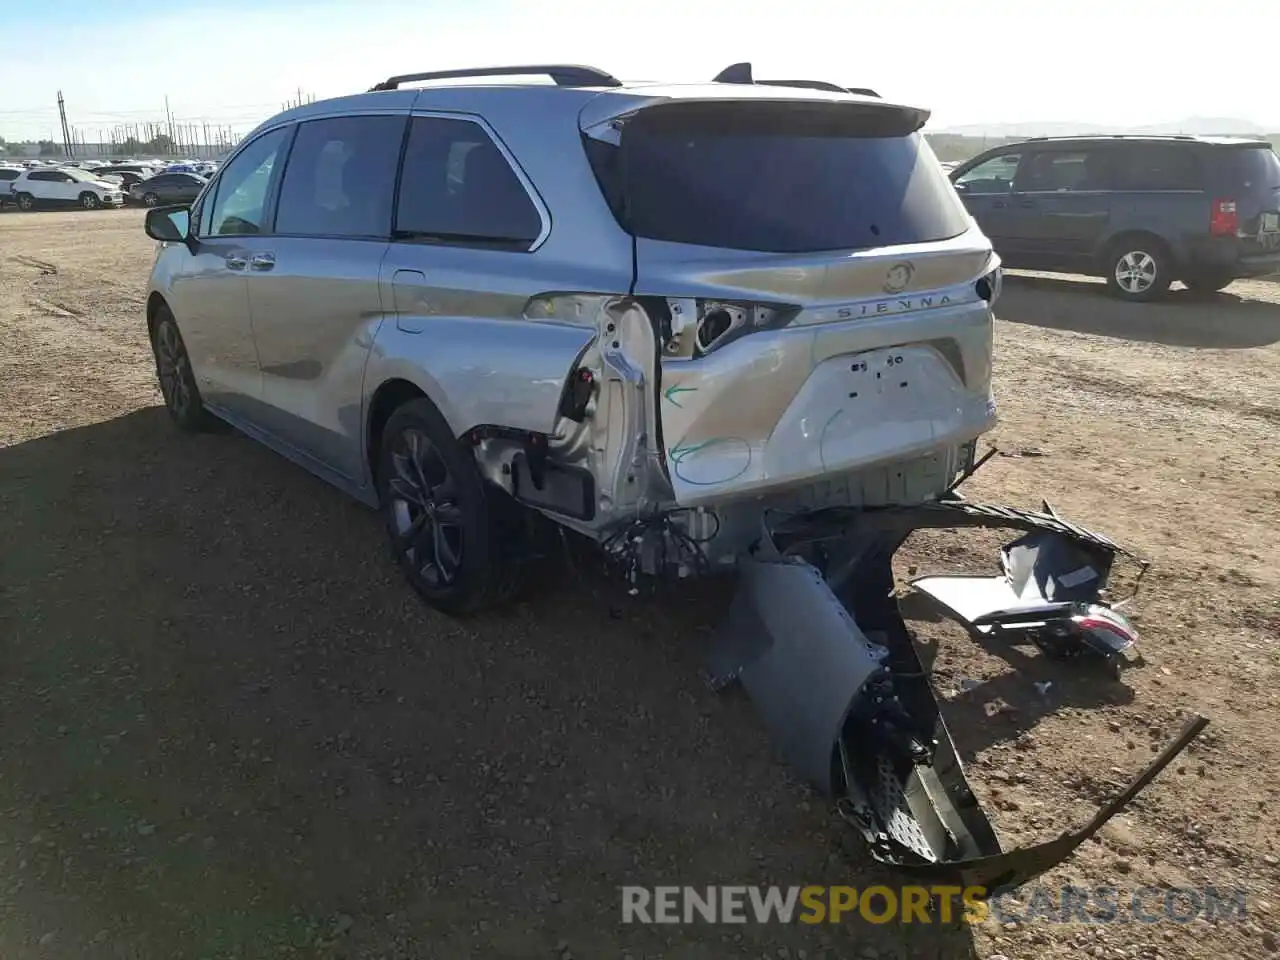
(363, 493)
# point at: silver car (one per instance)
(651, 313)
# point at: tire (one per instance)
(442, 519)
(90, 201)
(26, 202)
(150, 199)
(177, 381)
(1207, 283)
(1138, 268)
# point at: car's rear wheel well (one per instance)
(386, 400)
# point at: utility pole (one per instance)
(66, 132)
(168, 115)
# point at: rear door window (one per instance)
(340, 178)
(786, 178)
(1064, 171)
(1147, 167)
(458, 187)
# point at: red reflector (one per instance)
(1223, 221)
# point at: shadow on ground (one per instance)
(230, 730)
(1181, 319)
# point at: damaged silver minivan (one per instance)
(741, 325)
(599, 300)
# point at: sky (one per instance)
(1113, 62)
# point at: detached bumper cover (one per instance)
(826, 658)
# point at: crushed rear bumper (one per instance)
(816, 638)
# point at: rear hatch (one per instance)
(816, 281)
(1254, 180)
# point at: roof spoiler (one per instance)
(562, 74)
(741, 73)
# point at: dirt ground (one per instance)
(228, 730)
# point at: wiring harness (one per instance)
(659, 545)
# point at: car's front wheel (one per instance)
(90, 201)
(439, 513)
(1138, 268)
(177, 381)
(26, 201)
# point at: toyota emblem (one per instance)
(899, 275)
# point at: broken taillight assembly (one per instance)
(697, 326)
(1223, 220)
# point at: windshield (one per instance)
(82, 175)
(782, 181)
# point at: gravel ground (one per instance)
(230, 731)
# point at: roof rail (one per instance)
(563, 74)
(741, 73)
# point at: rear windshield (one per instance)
(1257, 166)
(779, 178)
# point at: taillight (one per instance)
(1223, 221)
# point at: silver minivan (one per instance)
(650, 313)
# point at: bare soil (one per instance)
(227, 729)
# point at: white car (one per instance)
(64, 186)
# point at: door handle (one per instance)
(262, 261)
(235, 262)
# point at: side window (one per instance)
(340, 178)
(43, 175)
(991, 176)
(1158, 167)
(240, 206)
(457, 186)
(1057, 171)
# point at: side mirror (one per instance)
(961, 188)
(168, 224)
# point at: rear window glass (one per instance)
(755, 177)
(1156, 167)
(1257, 167)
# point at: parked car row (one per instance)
(28, 188)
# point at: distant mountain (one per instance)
(1198, 126)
